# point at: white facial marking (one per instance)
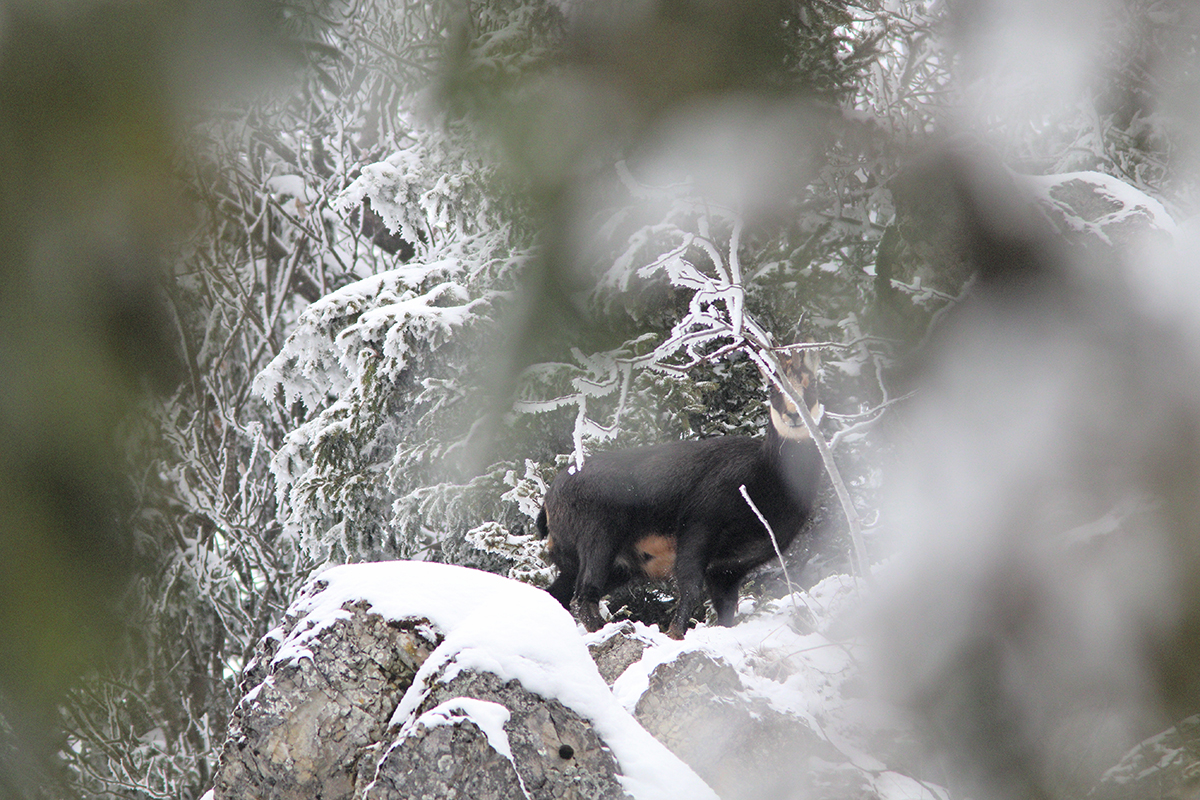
(787, 431)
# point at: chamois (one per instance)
(676, 510)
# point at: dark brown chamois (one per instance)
(676, 510)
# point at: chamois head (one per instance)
(800, 370)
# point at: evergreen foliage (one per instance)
(459, 253)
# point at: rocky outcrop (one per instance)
(314, 722)
(350, 700)
(422, 680)
(307, 719)
(486, 738)
(740, 746)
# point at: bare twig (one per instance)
(792, 590)
(774, 542)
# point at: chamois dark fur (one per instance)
(675, 510)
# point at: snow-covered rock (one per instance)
(740, 745)
(772, 707)
(373, 660)
(406, 679)
(317, 696)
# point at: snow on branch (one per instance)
(429, 193)
(347, 349)
(321, 358)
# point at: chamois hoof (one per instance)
(675, 632)
(587, 614)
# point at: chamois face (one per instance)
(800, 370)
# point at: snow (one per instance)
(488, 716)
(513, 630)
(290, 185)
(321, 356)
(419, 193)
(814, 663)
(798, 674)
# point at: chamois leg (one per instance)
(596, 562)
(723, 589)
(689, 579)
(562, 554)
(587, 613)
(563, 586)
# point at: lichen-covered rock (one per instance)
(740, 746)
(619, 648)
(310, 712)
(445, 761)
(548, 748)
(409, 680)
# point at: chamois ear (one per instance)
(791, 368)
(811, 362)
(804, 362)
(804, 370)
(795, 368)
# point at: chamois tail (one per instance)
(542, 528)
